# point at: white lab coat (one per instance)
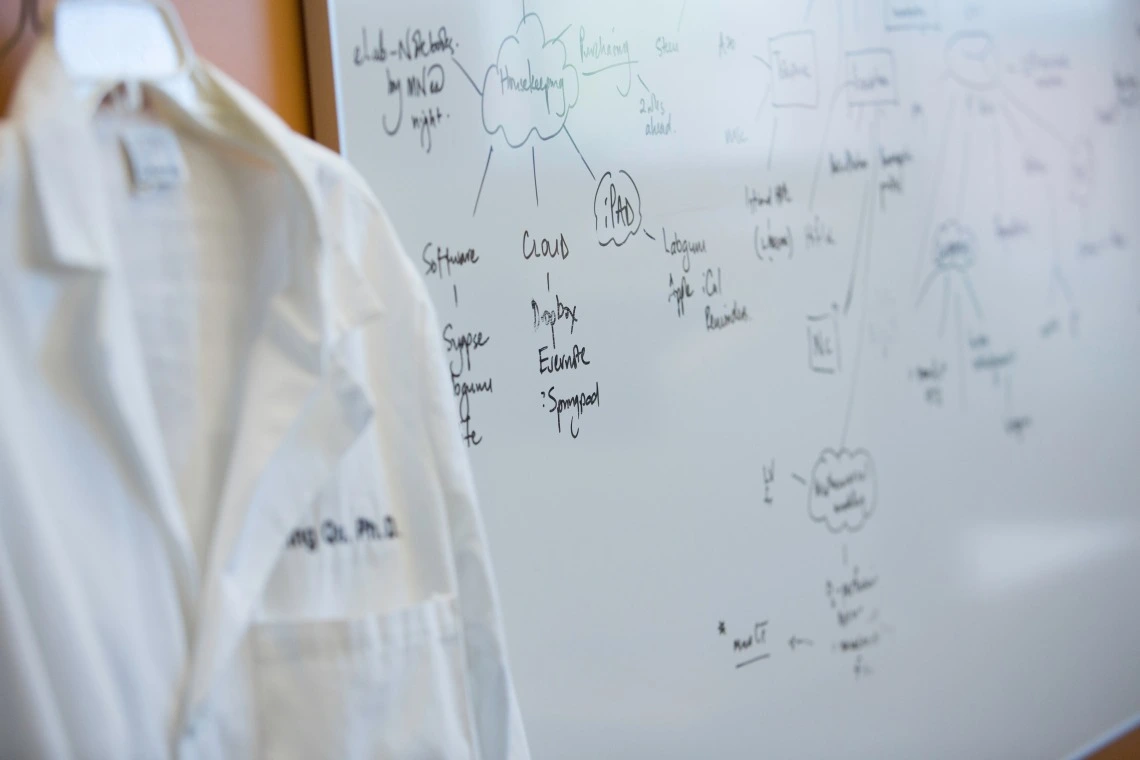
(250, 537)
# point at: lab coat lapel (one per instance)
(304, 407)
(300, 421)
(118, 380)
(303, 404)
(90, 352)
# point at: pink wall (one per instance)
(258, 42)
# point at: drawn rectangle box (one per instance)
(899, 15)
(795, 83)
(871, 78)
(823, 344)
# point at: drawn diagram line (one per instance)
(579, 152)
(1056, 276)
(999, 166)
(867, 201)
(1063, 283)
(1034, 117)
(943, 150)
(866, 208)
(559, 35)
(484, 179)
(766, 64)
(752, 661)
(1017, 133)
(861, 338)
(772, 142)
(854, 377)
(973, 296)
(1058, 282)
(681, 15)
(643, 84)
(965, 179)
(823, 144)
(469, 79)
(799, 479)
(961, 352)
(839, 37)
(807, 10)
(926, 288)
(946, 298)
(607, 68)
(534, 172)
(764, 100)
(646, 233)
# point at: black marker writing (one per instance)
(551, 317)
(680, 293)
(463, 345)
(555, 248)
(415, 44)
(576, 405)
(562, 362)
(443, 260)
(735, 315)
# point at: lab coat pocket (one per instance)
(379, 687)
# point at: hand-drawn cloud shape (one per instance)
(971, 59)
(954, 247)
(530, 88)
(617, 208)
(843, 489)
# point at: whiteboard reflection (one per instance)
(1006, 557)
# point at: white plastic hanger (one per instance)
(112, 46)
(105, 44)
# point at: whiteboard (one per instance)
(795, 346)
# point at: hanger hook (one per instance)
(32, 8)
(29, 17)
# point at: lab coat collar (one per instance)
(63, 159)
(304, 404)
(327, 288)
